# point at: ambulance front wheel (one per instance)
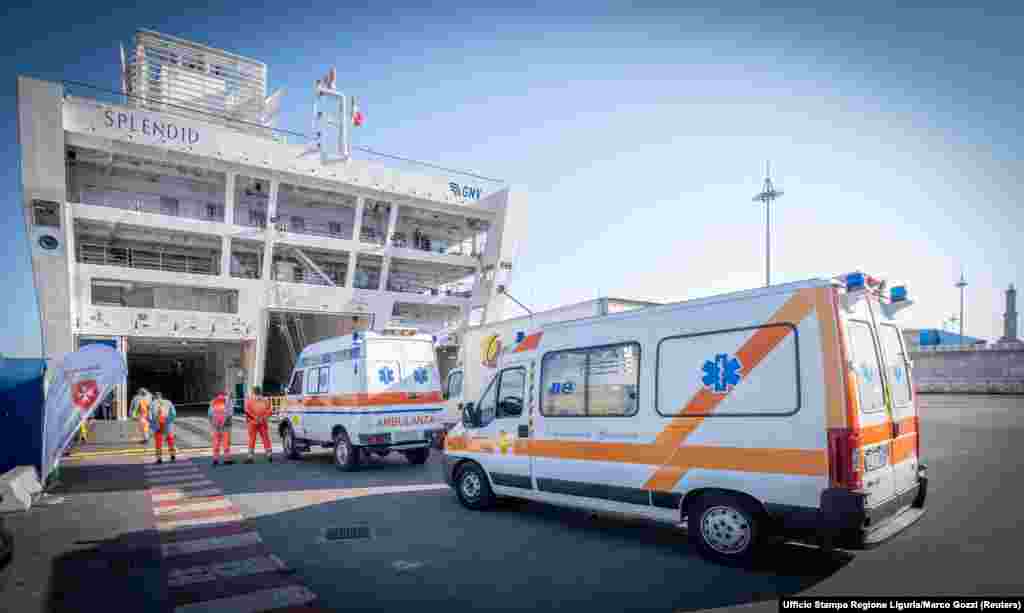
(473, 488)
(726, 529)
(291, 451)
(346, 455)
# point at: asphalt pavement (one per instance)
(394, 536)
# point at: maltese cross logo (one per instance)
(84, 393)
(722, 373)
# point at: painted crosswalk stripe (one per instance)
(198, 521)
(186, 497)
(170, 467)
(232, 568)
(227, 587)
(262, 600)
(176, 487)
(189, 476)
(189, 506)
(170, 487)
(172, 495)
(170, 550)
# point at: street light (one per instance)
(962, 283)
(767, 196)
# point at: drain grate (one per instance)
(347, 533)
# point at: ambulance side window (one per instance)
(295, 388)
(311, 381)
(324, 375)
(511, 391)
(488, 402)
(455, 385)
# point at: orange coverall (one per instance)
(257, 413)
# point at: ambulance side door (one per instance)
(294, 402)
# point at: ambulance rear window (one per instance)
(866, 365)
(895, 362)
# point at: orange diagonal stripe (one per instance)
(763, 341)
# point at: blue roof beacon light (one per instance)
(898, 293)
(854, 281)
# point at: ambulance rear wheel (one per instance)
(418, 456)
(473, 488)
(288, 443)
(346, 455)
(726, 529)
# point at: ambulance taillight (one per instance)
(844, 458)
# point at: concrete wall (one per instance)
(991, 370)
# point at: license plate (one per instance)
(876, 457)
(405, 437)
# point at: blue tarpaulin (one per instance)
(21, 413)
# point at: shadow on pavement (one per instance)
(427, 550)
(122, 574)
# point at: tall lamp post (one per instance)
(962, 283)
(767, 196)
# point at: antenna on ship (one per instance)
(767, 196)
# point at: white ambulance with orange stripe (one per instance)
(785, 412)
(372, 392)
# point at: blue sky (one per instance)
(639, 132)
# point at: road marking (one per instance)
(186, 507)
(170, 487)
(179, 494)
(171, 550)
(157, 480)
(184, 470)
(200, 532)
(262, 600)
(234, 568)
(198, 521)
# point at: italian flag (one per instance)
(357, 115)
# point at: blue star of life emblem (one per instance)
(421, 375)
(386, 375)
(722, 373)
(867, 372)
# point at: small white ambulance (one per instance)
(785, 412)
(372, 392)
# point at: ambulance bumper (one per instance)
(848, 524)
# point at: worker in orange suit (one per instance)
(161, 421)
(220, 414)
(257, 416)
(140, 411)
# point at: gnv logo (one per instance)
(464, 191)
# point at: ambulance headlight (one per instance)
(854, 281)
(898, 293)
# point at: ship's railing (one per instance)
(150, 259)
(458, 179)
